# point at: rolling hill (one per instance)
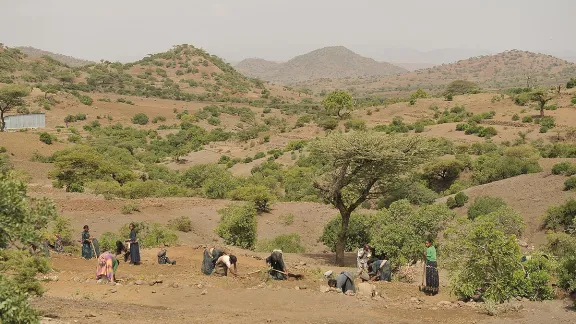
(33, 52)
(329, 62)
(182, 73)
(503, 70)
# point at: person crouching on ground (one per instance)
(107, 266)
(381, 270)
(278, 271)
(121, 248)
(344, 281)
(163, 258)
(211, 255)
(224, 265)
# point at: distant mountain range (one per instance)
(326, 63)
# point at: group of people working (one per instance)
(219, 263)
(380, 269)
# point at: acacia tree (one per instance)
(337, 103)
(10, 97)
(363, 165)
(541, 96)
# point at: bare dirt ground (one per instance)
(187, 296)
(75, 297)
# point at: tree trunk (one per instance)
(342, 236)
(1, 120)
(542, 109)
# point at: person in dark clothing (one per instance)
(211, 255)
(86, 243)
(381, 269)
(344, 281)
(134, 247)
(277, 262)
(163, 258)
(121, 248)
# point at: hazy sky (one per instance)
(234, 29)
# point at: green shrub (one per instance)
(564, 168)
(355, 124)
(73, 138)
(2, 149)
(418, 128)
(288, 243)
(80, 116)
(259, 195)
(527, 119)
(150, 235)
(328, 123)
(461, 199)
(567, 274)
(238, 225)
(182, 224)
(560, 244)
(85, 100)
(515, 117)
(512, 162)
(570, 183)
(488, 132)
(449, 97)
(505, 219)
(213, 121)
(259, 155)
(547, 121)
(140, 119)
(158, 119)
(46, 138)
(451, 203)
(402, 228)
(573, 100)
(267, 110)
(484, 205)
(70, 119)
(15, 307)
(129, 208)
(561, 217)
(108, 240)
(359, 231)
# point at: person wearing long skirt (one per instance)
(211, 255)
(86, 243)
(134, 247)
(432, 280)
(107, 266)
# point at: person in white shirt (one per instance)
(364, 254)
(224, 264)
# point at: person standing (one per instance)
(134, 247)
(432, 280)
(364, 254)
(86, 243)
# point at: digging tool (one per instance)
(291, 275)
(422, 286)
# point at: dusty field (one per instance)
(75, 297)
(185, 294)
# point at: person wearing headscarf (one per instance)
(275, 260)
(86, 243)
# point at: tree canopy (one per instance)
(363, 165)
(11, 96)
(337, 103)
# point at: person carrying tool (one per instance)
(275, 260)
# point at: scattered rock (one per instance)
(199, 286)
(303, 287)
(113, 290)
(102, 281)
(204, 292)
(302, 263)
(50, 278)
(174, 285)
(89, 315)
(434, 308)
(88, 281)
(153, 291)
(297, 288)
(418, 306)
(366, 289)
(324, 289)
(139, 282)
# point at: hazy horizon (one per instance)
(384, 30)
